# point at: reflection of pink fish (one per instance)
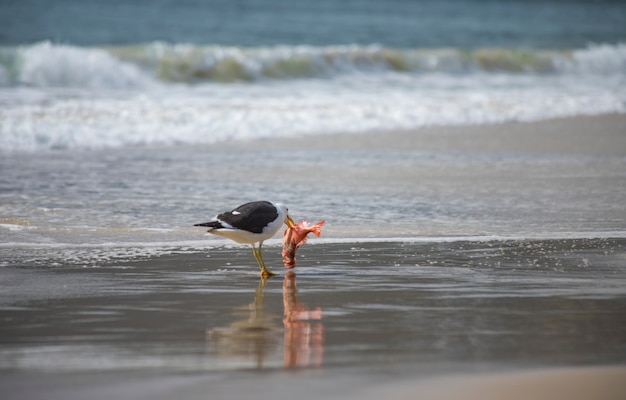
(304, 330)
(295, 237)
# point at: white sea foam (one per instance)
(95, 255)
(596, 60)
(48, 65)
(57, 96)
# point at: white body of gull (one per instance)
(251, 223)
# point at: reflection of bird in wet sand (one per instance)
(253, 336)
(255, 333)
(251, 223)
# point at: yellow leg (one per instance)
(265, 273)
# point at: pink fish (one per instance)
(294, 237)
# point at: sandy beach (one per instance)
(442, 313)
(600, 134)
(605, 383)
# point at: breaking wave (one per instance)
(56, 65)
(55, 96)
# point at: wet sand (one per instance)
(355, 320)
(599, 135)
(470, 316)
(561, 383)
(582, 383)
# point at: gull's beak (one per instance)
(289, 221)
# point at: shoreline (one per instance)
(561, 135)
(505, 180)
(565, 135)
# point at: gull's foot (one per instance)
(265, 274)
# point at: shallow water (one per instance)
(81, 205)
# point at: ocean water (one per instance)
(113, 115)
(96, 74)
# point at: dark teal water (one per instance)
(394, 23)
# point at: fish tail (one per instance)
(317, 228)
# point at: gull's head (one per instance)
(283, 212)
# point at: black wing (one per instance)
(251, 217)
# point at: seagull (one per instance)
(250, 223)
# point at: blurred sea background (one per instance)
(109, 74)
(114, 115)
